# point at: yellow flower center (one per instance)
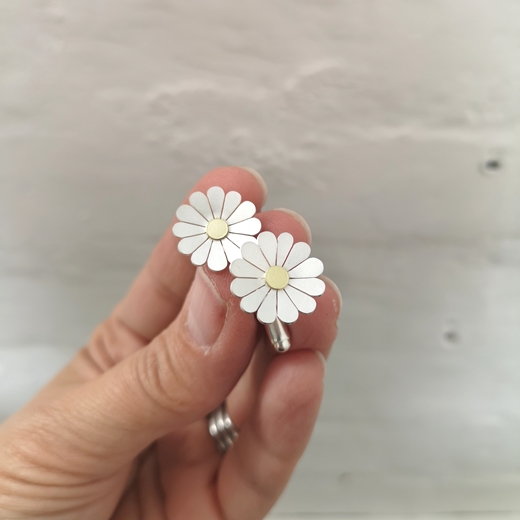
(217, 229)
(277, 277)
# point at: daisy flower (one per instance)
(213, 227)
(276, 278)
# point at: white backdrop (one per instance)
(393, 126)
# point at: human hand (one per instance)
(121, 432)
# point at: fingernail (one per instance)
(334, 287)
(260, 180)
(206, 312)
(321, 357)
(300, 219)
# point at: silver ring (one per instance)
(222, 429)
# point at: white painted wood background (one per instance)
(393, 126)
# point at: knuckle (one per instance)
(100, 344)
(111, 342)
(167, 373)
(266, 479)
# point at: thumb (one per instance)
(183, 374)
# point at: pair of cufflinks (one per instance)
(275, 277)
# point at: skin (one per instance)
(121, 432)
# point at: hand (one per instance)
(121, 432)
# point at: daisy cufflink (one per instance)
(214, 226)
(277, 279)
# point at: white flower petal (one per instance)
(231, 250)
(240, 240)
(285, 242)
(189, 214)
(243, 269)
(311, 268)
(267, 311)
(190, 244)
(200, 202)
(252, 253)
(231, 203)
(200, 256)
(217, 260)
(216, 200)
(181, 230)
(246, 210)
(248, 227)
(310, 286)
(304, 303)
(251, 302)
(268, 244)
(297, 255)
(286, 309)
(241, 287)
